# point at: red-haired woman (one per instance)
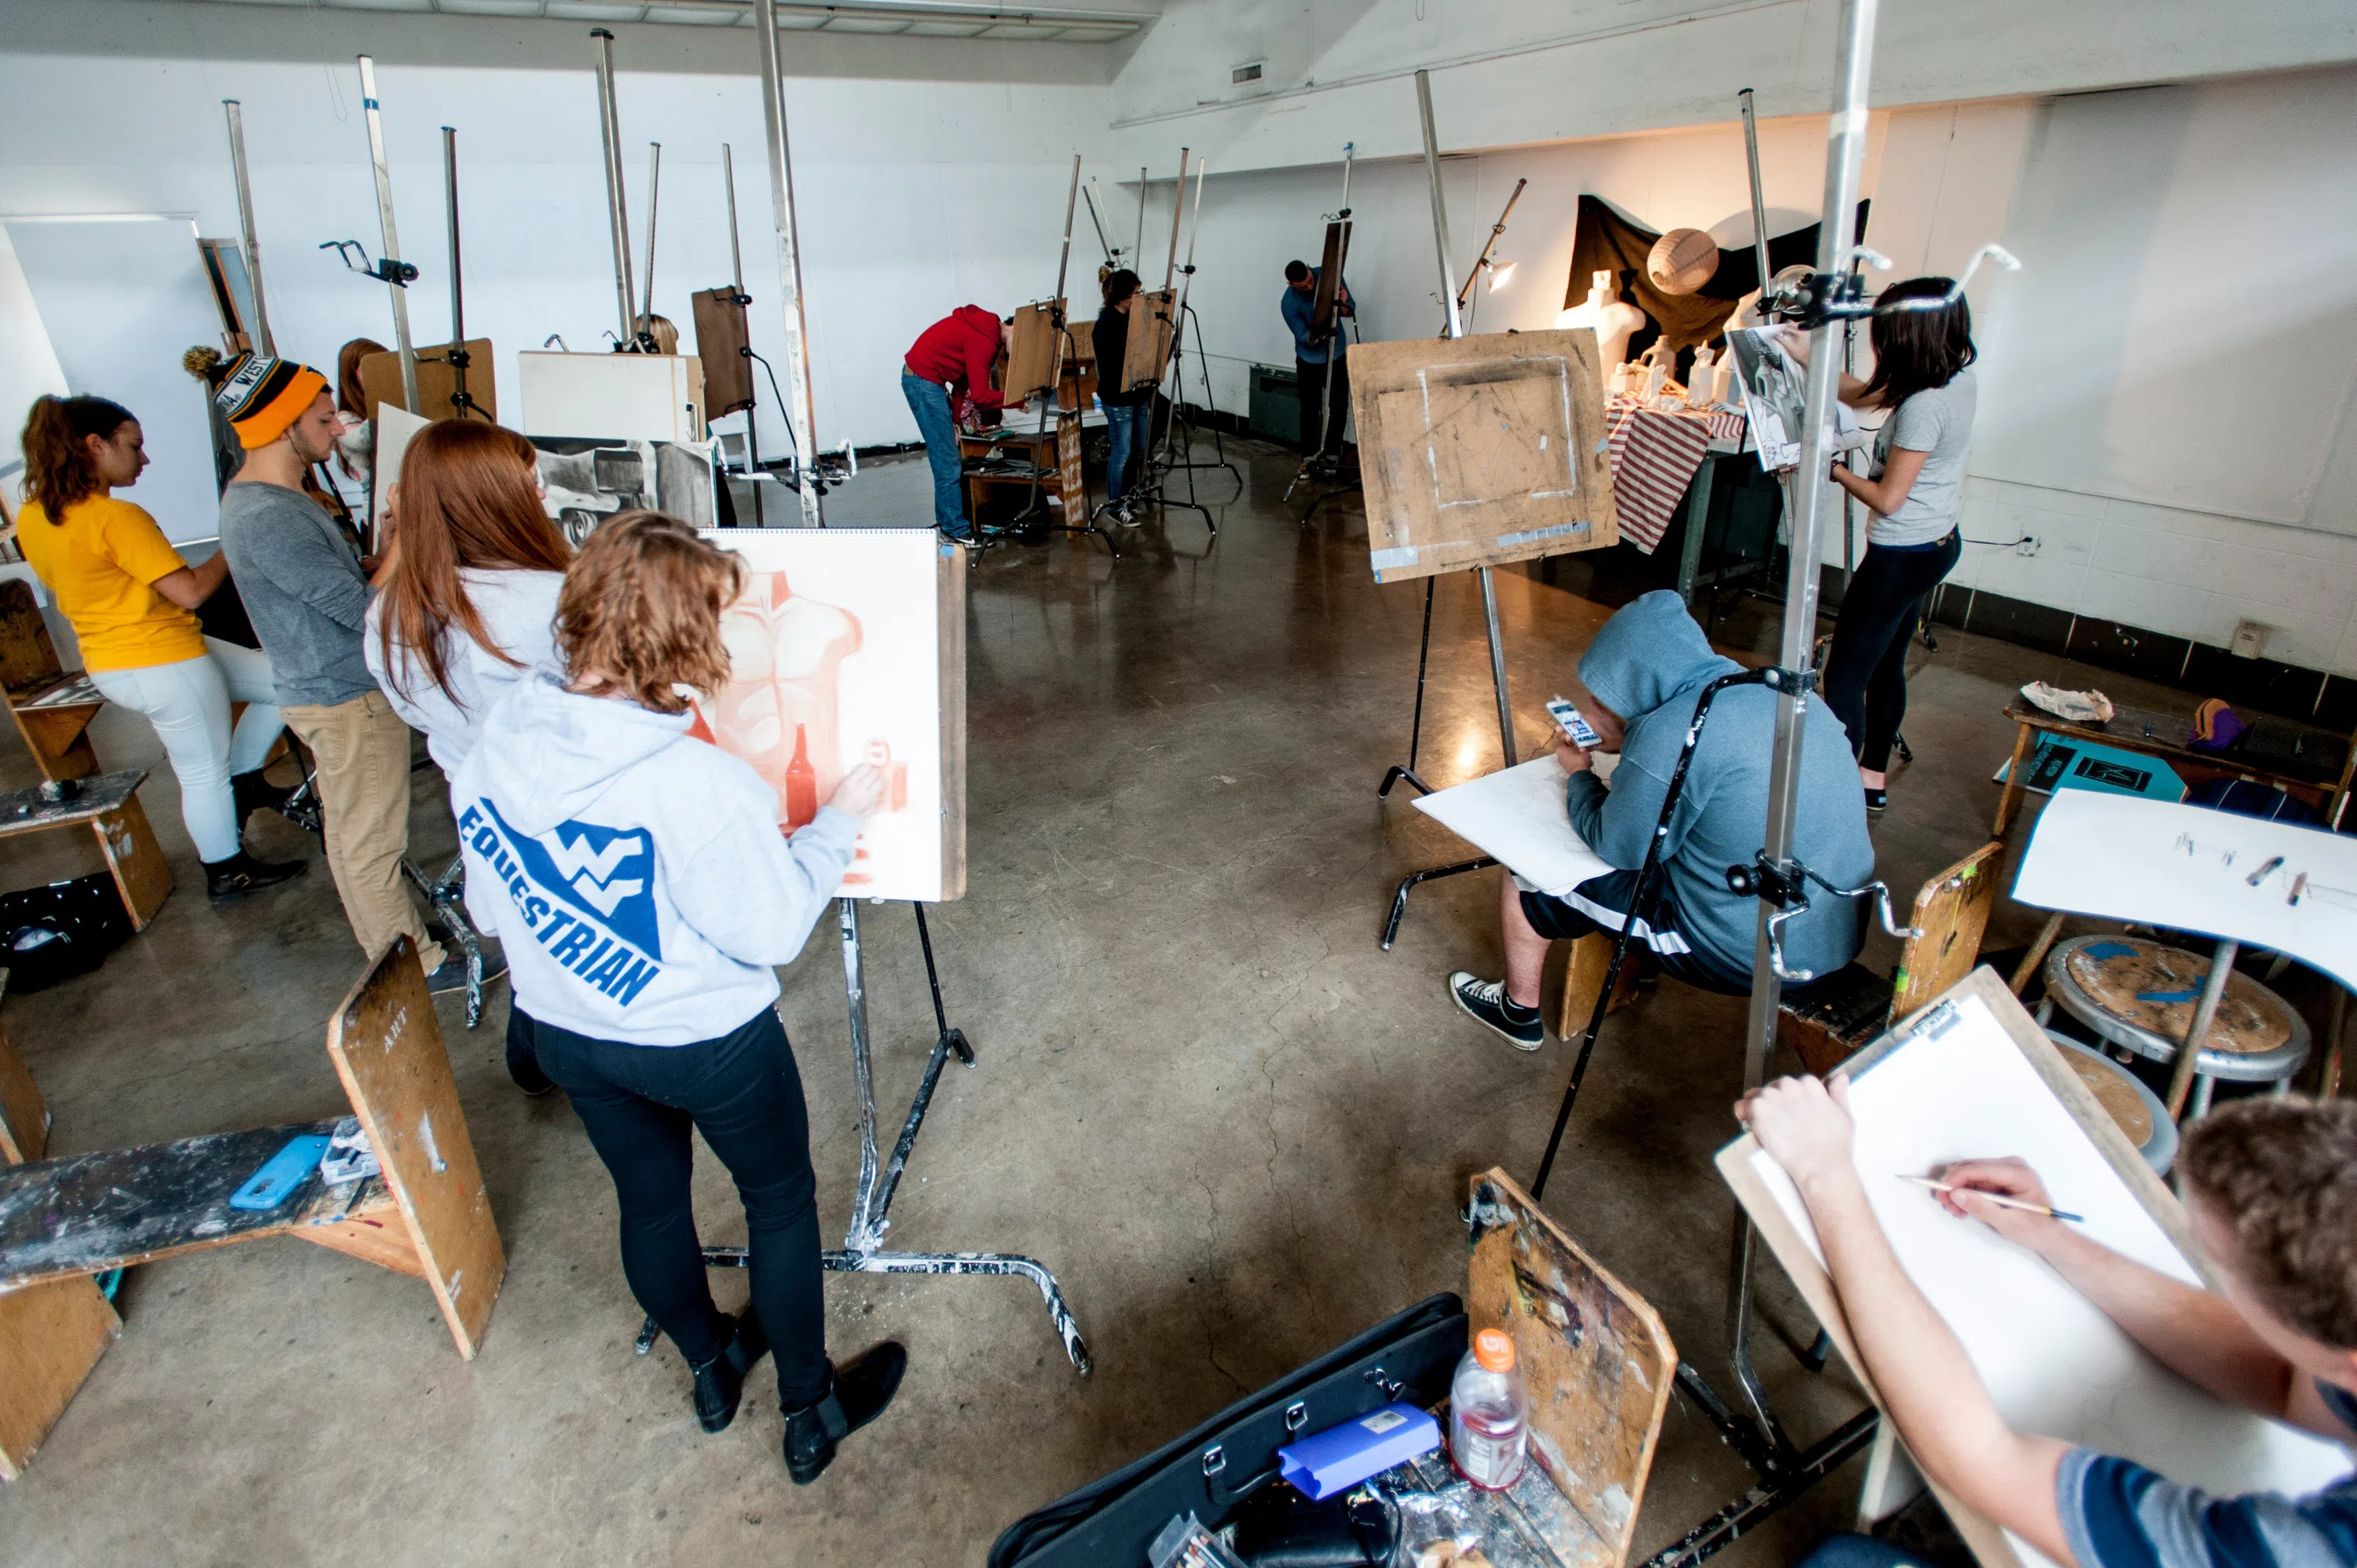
(132, 601)
(645, 896)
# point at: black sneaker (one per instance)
(1125, 517)
(241, 874)
(1486, 1000)
(720, 1382)
(451, 974)
(252, 792)
(861, 1392)
(1877, 802)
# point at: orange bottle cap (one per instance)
(1493, 1350)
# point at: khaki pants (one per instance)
(362, 750)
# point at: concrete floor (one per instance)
(1236, 1129)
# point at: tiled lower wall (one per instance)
(2156, 593)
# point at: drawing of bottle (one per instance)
(802, 783)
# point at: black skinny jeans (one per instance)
(639, 1104)
(1865, 671)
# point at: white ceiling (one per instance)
(914, 19)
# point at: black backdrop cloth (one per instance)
(1607, 242)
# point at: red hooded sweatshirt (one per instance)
(957, 351)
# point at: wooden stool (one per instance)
(108, 805)
(426, 1216)
(52, 705)
(2140, 995)
(2138, 1110)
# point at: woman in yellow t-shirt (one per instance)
(132, 601)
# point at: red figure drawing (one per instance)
(780, 708)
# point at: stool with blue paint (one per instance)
(2141, 995)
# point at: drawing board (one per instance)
(1031, 356)
(438, 381)
(1147, 352)
(1480, 451)
(848, 646)
(1973, 1076)
(395, 427)
(1331, 278)
(2188, 868)
(1516, 817)
(584, 481)
(1773, 396)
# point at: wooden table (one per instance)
(2312, 764)
(108, 805)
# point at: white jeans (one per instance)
(189, 704)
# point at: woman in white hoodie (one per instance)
(466, 603)
(644, 894)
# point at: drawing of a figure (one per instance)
(780, 708)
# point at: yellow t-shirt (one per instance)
(100, 564)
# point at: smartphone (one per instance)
(1583, 734)
(280, 1173)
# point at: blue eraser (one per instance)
(1335, 1460)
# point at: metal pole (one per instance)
(617, 217)
(1064, 261)
(245, 222)
(1496, 229)
(864, 1235)
(1178, 309)
(1177, 207)
(737, 270)
(1349, 149)
(1759, 203)
(459, 367)
(654, 185)
(1844, 152)
(2205, 1012)
(799, 420)
(1339, 344)
(393, 286)
(1096, 219)
(1138, 251)
(1456, 324)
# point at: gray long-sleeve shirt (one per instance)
(304, 591)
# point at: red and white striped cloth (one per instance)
(1654, 457)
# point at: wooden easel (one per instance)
(426, 1216)
(52, 705)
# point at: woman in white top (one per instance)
(1922, 377)
(466, 606)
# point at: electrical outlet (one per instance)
(2028, 545)
(2250, 640)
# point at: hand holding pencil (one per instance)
(2011, 1200)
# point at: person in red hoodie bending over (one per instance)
(952, 358)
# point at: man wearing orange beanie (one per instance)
(308, 600)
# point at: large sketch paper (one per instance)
(394, 427)
(1515, 816)
(1482, 451)
(847, 646)
(1772, 396)
(2054, 1364)
(2188, 868)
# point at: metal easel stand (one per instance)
(1341, 481)
(443, 896)
(1154, 480)
(862, 1251)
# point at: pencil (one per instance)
(1996, 1197)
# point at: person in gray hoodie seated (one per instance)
(1644, 673)
(644, 894)
(466, 606)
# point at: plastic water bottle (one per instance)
(1487, 1413)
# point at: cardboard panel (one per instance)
(387, 1049)
(438, 381)
(1481, 451)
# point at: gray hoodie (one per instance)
(635, 874)
(1648, 665)
(518, 609)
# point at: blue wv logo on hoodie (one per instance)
(585, 891)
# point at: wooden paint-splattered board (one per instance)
(1480, 451)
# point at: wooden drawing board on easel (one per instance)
(1147, 352)
(1482, 451)
(1973, 1075)
(1031, 355)
(1330, 276)
(438, 381)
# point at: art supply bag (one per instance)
(54, 933)
(1212, 1470)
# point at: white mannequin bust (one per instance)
(1612, 318)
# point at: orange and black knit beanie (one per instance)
(262, 396)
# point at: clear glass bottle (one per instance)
(1488, 1412)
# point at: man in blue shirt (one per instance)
(2270, 1188)
(1311, 354)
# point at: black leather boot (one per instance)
(241, 874)
(860, 1391)
(720, 1382)
(252, 792)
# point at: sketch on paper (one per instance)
(1516, 817)
(846, 646)
(1772, 396)
(588, 481)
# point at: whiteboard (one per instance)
(121, 300)
(2054, 1364)
(2184, 329)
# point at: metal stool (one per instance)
(2122, 1094)
(2140, 995)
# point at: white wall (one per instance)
(914, 196)
(28, 364)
